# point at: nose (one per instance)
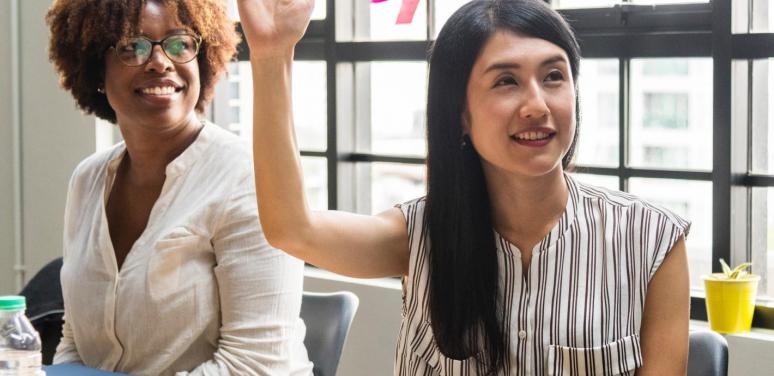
(534, 105)
(158, 61)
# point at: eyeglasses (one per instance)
(179, 48)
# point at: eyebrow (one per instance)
(504, 66)
(168, 32)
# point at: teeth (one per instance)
(532, 136)
(166, 90)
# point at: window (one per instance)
(674, 107)
(665, 110)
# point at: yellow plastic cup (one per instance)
(730, 302)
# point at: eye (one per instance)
(507, 80)
(133, 47)
(555, 76)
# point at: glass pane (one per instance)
(763, 239)
(604, 181)
(671, 126)
(691, 200)
(769, 268)
(759, 18)
(309, 103)
(395, 183)
(398, 97)
(443, 10)
(316, 182)
(383, 22)
(762, 116)
(598, 140)
(319, 9)
(584, 3)
(668, 1)
(317, 14)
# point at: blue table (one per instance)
(75, 370)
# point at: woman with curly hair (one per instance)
(166, 268)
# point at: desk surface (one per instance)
(75, 370)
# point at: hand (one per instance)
(273, 27)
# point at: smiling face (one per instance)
(158, 95)
(520, 111)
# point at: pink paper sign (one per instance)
(407, 10)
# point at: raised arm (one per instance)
(345, 243)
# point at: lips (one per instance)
(159, 92)
(534, 137)
(157, 86)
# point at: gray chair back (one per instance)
(328, 317)
(707, 354)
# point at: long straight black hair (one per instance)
(465, 313)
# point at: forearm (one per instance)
(278, 176)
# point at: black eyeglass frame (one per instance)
(197, 43)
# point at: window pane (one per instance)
(309, 103)
(585, 3)
(317, 14)
(395, 183)
(315, 182)
(755, 16)
(609, 182)
(762, 236)
(383, 22)
(762, 116)
(671, 126)
(598, 140)
(668, 1)
(398, 97)
(691, 200)
(319, 9)
(443, 10)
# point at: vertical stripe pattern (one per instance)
(577, 310)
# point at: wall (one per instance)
(7, 142)
(53, 136)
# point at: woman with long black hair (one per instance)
(509, 265)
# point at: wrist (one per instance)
(272, 56)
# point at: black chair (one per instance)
(45, 307)
(328, 318)
(707, 354)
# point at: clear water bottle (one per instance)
(19, 342)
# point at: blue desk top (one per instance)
(75, 370)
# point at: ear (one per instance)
(465, 121)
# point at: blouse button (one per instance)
(522, 334)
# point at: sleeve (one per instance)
(66, 351)
(667, 229)
(260, 290)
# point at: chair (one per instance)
(45, 307)
(328, 318)
(707, 354)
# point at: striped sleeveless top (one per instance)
(578, 309)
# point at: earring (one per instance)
(464, 142)
(101, 90)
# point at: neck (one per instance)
(150, 149)
(525, 206)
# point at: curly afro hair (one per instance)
(82, 31)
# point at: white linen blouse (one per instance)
(201, 292)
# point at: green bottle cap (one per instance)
(12, 303)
